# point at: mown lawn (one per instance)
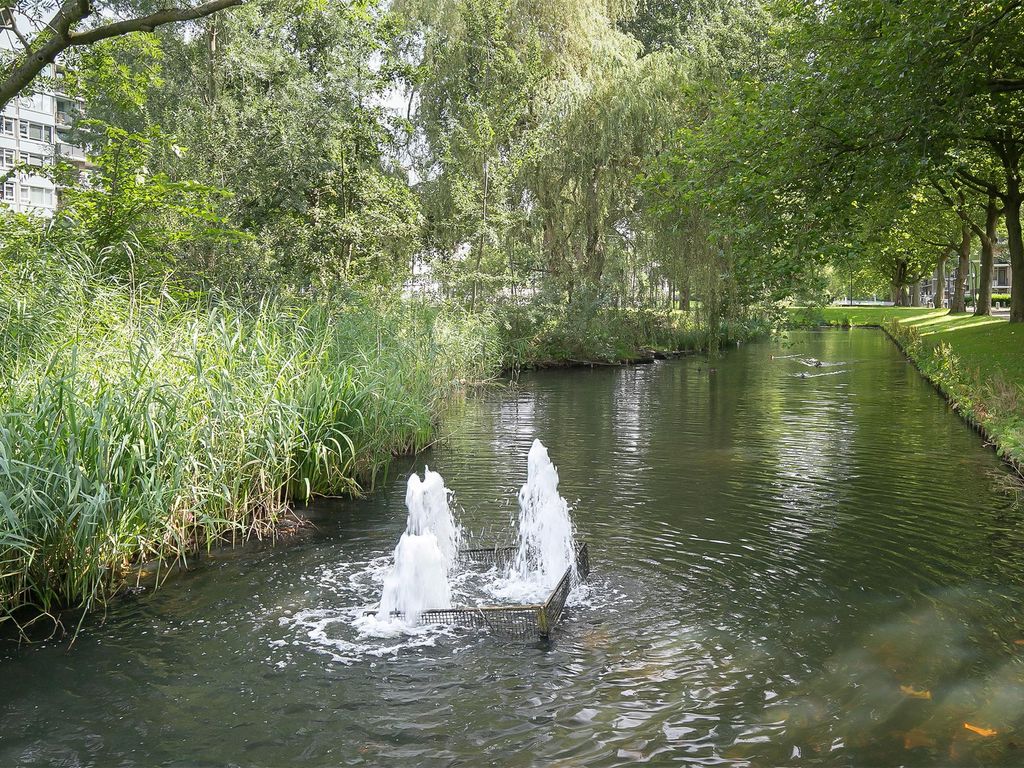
(858, 315)
(982, 344)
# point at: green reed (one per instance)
(134, 428)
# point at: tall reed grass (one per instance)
(135, 427)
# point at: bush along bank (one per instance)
(542, 336)
(136, 429)
(991, 403)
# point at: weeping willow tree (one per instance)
(480, 76)
(536, 119)
(598, 136)
(721, 195)
(490, 101)
(541, 126)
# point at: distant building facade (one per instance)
(1002, 277)
(34, 132)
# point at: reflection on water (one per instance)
(787, 571)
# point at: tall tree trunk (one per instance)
(899, 287)
(983, 305)
(481, 238)
(915, 293)
(549, 244)
(1015, 245)
(211, 60)
(938, 300)
(963, 267)
(1009, 153)
(685, 306)
(594, 255)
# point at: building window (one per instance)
(36, 132)
(8, 191)
(31, 158)
(7, 126)
(39, 102)
(37, 196)
(6, 158)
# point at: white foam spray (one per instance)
(546, 546)
(428, 549)
(428, 502)
(419, 580)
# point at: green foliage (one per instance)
(723, 36)
(283, 105)
(539, 119)
(131, 222)
(478, 82)
(537, 335)
(115, 77)
(885, 105)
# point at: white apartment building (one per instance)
(33, 131)
(28, 131)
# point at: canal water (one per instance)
(786, 571)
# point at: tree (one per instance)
(128, 223)
(889, 91)
(295, 96)
(44, 38)
(477, 99)
(976, 171)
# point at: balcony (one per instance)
(71, 152)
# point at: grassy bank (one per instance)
(134, 428)
(855, 316)
(978, 362)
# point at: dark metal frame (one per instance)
(516, 621)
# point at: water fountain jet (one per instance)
(428, 503)
(427, 551)
(533, 579)
(546, 547)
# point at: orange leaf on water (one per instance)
(979, 730)
(1018, 642)
(915, 693)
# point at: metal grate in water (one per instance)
(515, 621)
